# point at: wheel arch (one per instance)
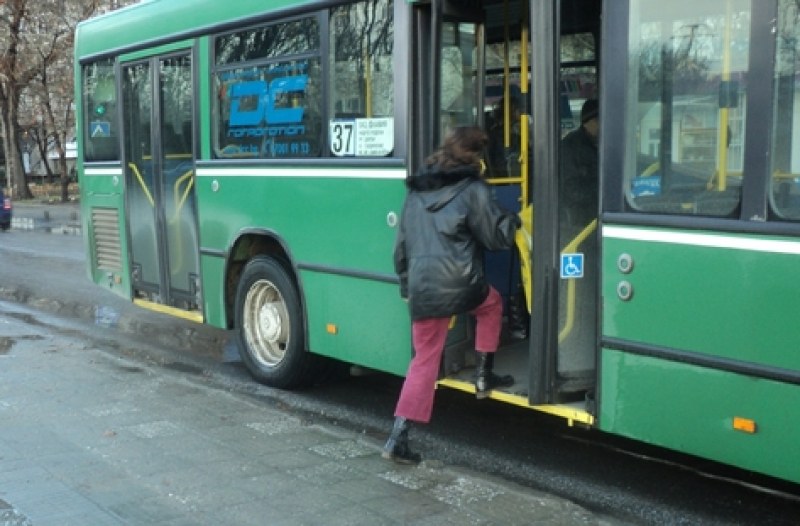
(250, 243)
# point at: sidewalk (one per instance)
(92, 437)
(55, 217)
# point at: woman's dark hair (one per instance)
(464, 145)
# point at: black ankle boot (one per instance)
(485, 379)
(396, 447)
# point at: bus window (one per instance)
(785, 181)
(362, 80)
(278, 40)
(688, 64)
(100, 120)
(458, 97)
(268, 82)
(503, 79)
(578, 78)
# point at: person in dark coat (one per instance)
(579, 163)
(449, 218)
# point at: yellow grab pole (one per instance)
(722, 180)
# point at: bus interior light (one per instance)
(745, 425)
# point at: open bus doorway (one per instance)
(486, 68)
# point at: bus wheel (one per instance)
(269, 325)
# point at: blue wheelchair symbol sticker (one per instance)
(571, 266)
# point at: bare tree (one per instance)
(36, 74)
(52, 88)
(15, 74)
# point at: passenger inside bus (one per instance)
(579, 169)
(503, 160)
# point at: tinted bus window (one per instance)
(458, 99)
(269, 107)
(785, 181)
(689, 62)
(288, 38)
(100, 122)
(362, 80)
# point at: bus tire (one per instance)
(269, 326)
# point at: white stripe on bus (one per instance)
(302, 172)
(102, 171)
(702, 240)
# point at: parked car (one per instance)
(5, 211)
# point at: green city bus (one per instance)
(243, 164)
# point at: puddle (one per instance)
(106, 316)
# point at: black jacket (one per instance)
(578, 178)
(449, 218)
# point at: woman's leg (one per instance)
(489, 318)
(416, 398)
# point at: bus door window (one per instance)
(137, 90)
(177, 178)
(689, 63)
(785, 180)
(578, 199)
(101, 126)
(458, 95)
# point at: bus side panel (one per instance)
(720, 302)
(212, 276)
(338, 232)
(358, 321)
(692, 409)
(703, 329)
(104, 227)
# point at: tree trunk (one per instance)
(14, 167)
(62, 165)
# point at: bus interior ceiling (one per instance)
(577, 16)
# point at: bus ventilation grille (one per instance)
(105, 232)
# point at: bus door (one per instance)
(565, 195)
(160, 176)
(578, 197)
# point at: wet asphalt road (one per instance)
(631, 481)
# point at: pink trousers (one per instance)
(429, 336)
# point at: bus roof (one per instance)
(153, 22)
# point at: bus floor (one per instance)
(513, 358)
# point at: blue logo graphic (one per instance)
(265, 117)
(253, 102)
(571, 266)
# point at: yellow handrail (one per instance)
(139, 177)
(524, 242)
(523, 115)
(573, 245)
(180, 201)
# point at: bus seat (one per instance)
(524, 242)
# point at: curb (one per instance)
(28, 223)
